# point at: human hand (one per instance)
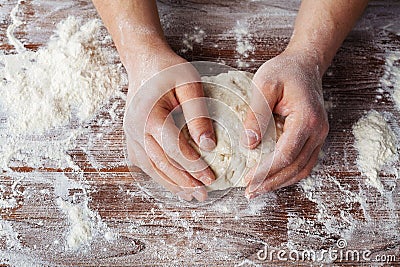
(291, 86)
(154, 142)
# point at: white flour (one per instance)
(244, 47)
(190, 39)
(71, 76)
(48, 91)
(396, 96)
(391, 79)
(47, 97)
(81, 220)
(16, 22)
(376, 145)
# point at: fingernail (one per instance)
(246, 181)
(206, 143)
(249, 176)
(199, 196)
(184, 195)
(250, 195)
(253, 186)
(250, 137)
(206, 180)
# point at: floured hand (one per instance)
(159, 148)
(290, 84)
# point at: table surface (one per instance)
(230, 230)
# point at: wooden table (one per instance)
(230, 230)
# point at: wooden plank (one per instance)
(228, 230)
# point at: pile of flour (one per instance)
(53, 91)
(85, 225)
(376, 145)
(70, 77)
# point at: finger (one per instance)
(172, 141)
(137, 155)
(259, 113)
(306, 170)
(287, 149)
(165, 181)
(178, 175)
(194, 108)
(287, 176)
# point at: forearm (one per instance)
(133, 24)
(322, 25)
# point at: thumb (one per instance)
(259, 113)
(191, 97)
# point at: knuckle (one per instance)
(162, 166)
(314, 120)
(286, 158)
(198, 126)
(174, 154)
(325, 129)
(304, 174)
(270, 85)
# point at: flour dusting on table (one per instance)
(244, 47)
(47, 98)
(70, 76)
(50, 218)
(63, 83)
(189, 40)
(376, 144)
(391, 79)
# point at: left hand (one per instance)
(291, 85)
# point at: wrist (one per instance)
(309, 55)
(318, 52)
(137, 49)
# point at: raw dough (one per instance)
(230, 161)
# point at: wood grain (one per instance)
(229, 230)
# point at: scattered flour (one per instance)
(391, 79)
(244, 47)
(243, 44)
(81, 220)
(11, 237)
(346, 214)
(190, 39)
(52, 89)
(376, 145)
(9, 196)
(328, 210)
(396, 96)
(16, 22)
(42, 90)
(17, 150)
(47, 97)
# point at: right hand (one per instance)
(290, 85)
(154, 142)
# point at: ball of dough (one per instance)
(229, 95)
